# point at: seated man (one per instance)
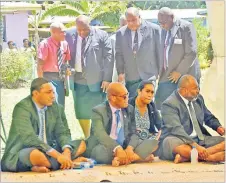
(184, 113)
(113, 137)
(38, 139)
(147, 117)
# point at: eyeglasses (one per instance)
(123, 96)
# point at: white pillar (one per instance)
(214, 79)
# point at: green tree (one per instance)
(181, 4)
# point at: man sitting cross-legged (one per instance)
(184, 113)
(113, 137)
(39, 138)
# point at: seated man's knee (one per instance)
(38, 158)
(102, 155)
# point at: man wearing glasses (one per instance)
(178, 53)
(113, 138)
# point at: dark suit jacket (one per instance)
(146, 62)
(154, 116)
(98, 51)
(176, 119)
(101, 127)
(24, 132)
(183, 57)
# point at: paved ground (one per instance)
(152, 172)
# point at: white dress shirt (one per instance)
(78, 61)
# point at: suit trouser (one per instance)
(171, 142)
(164, 90)
(58, 86)
(104, 155)
(132, 87)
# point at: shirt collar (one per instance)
(113, 109)
(58, 44)
(184, 99)
(38, 108)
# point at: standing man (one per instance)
(53, 52)
(178, 53)
(91, 57)
(184, 114)
(137, 50)
(122, 22)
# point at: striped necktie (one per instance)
(83, 51)
(166, 44)
(42, 132)
(59, 58)
(120, 131)
(135, 43)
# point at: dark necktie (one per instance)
(195, 122)
(135, 43)
(83, 51)
(166, 44)
(120, 132)
(59, 58)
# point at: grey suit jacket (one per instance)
(182, 57)
(176, 119)
(98, 50)
(101, 127)
(146, 62)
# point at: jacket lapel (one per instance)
(143, 28)
(74, 43)
(174, 32)
(129, 37)
(89, 40)
(109, 115)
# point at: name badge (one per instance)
(177, 41)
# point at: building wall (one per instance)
(213, 88)
(16, 28)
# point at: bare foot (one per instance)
(217, 157)
(115, 162)
(179, 159)
(80, 159)
(150, 158)
(81, 148)
(40, 169)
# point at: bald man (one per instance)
(113, 137)
(53, 52)
(178, 53)
(184, 113)
(137, 50)
(91, 58)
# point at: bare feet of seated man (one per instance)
(41, 163)
(127, 156)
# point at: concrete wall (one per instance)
(16, 28)
(213, 88)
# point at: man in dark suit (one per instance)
(39, 138)
(91, 52)
(178, 53)
(137, 50)
(113, 138)
(184, 113)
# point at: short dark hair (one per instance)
(25, 40)
(37, 84)
(145, 82)
(9, 42)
